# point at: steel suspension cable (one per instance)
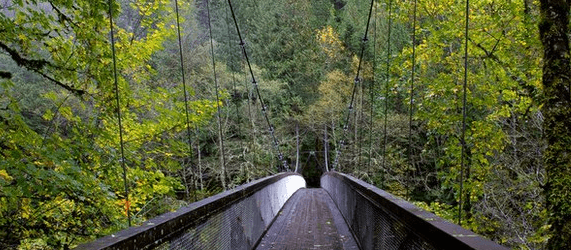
(127, 204)
(411, 110)
(255, 84)
(188, 133)
(388, 76)
(221, 140)
(463, 138)
(341, 144)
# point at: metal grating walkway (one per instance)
(309, 220)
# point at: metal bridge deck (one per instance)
(309, 220)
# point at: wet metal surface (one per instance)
(309, 220)
(380, 220)
(231, 220)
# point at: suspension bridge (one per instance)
(280, 212)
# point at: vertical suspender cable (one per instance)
(464, 112)
(387, 88)
(326, 142)
(199, 161)
(358, 114)
(127, 205)
(356, 81)
(251, 119)
(411, 110)
(234, 84)
(371, 92)
(252, 135)
(264, 108)
(221, 140)
(184, 85)
(359, 129)
(296, 146)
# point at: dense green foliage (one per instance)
(60, 172)
(554, 30)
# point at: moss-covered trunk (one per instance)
(556, 109)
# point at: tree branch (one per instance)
(62, 17)
(36, 65)
(5, 75)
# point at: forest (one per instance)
(194, 124)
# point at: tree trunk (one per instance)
(553, 31)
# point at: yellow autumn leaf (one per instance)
(4, 175)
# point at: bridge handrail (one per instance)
(437, 232)
(160, 229)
